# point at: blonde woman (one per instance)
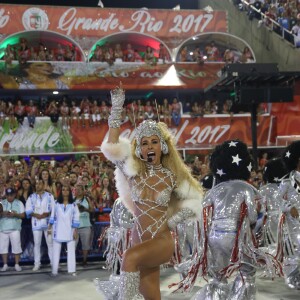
(158, 190)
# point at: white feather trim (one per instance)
(116, 151)
(190, 198)
(130, 167)
(124, 190)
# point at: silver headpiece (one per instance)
(148, 128)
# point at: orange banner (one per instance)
(96, 22)
(191, 134)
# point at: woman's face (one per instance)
(40, 68)
(105, 182)
(25, 184)
(65, 191)
(45, 175)
(151, 149)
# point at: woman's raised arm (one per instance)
(114, 120)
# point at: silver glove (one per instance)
(117, 100)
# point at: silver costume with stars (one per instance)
(226, 200)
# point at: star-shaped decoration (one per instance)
(276, 179)
(288, 154)
(236, 159)
(220, 172)
(249, 167)
(232, 144)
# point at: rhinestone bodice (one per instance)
(151, 194)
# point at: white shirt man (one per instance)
(39, 206)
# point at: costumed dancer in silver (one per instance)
(229, 214)
(118, 240)
(273, 173)
(158, 189)
(185, 236)
(289, 224)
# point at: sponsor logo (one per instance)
(35, 19)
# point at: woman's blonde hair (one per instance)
(171, 161)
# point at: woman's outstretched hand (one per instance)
(117, 96)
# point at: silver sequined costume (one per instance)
(226, 201)
(290, 195)
(272, 204)
(154, 197)
(118, 240)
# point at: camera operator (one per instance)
(85, 206)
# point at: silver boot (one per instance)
(129, 286)
(108, 289)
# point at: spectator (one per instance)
(53, 112)
(104, 111)
(26, 232)
(296, 32)
(39, 206)
(137, 56)
(9, 55)
(140, 111)
(96, 114)
(149, 56)
(129, 53)
(65, 115)
(165, 111)
(60, 53)
(49, 185)
(149, 111)
(118, 53)
(63, 225)
(196, 110)
(10, 228)
(183, 56)
(163, 53)
(24, 51)
(84, 230)
(176, 111)
(85, 111)
(74, 113)
(212, 52)
(20, 112)
(246, 56)
(228, 56)
(31, 111)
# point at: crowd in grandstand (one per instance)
(90, 178)
(89, 112)
(286, 14)
(24, 52)
(110, 53)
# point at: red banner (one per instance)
(94, 22)
(191, 134)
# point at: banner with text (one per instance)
(191, 134)
(87, 22)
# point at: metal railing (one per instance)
(273, 25)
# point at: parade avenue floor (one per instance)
(28, 285)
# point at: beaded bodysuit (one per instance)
(151, 193)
